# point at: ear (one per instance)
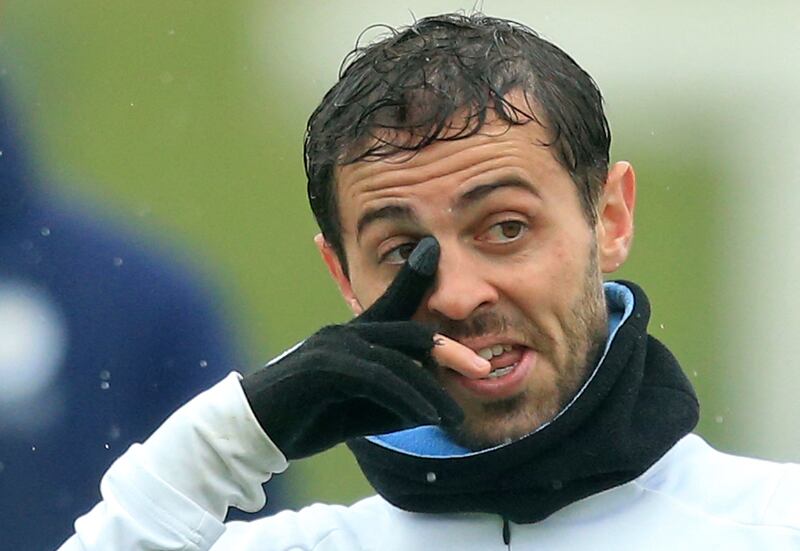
(615, 217)
(337, 273)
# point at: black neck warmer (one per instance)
(634, 409)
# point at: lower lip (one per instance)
(502, 387)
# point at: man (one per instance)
(101, 338)
(493, 390)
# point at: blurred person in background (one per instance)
(102, 336)
(495, 391)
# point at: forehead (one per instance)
(445, 169)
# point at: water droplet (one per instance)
(661, 326)
(430, 477)
(105, 375)
(33, 448)
(105, 385)
(45, 231)
(171, 32)
(694, 373)
(117, 261)
(1, 152)
(203, 363)
(107, 446)
(131, 104)
(719, 419)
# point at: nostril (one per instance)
(458, 304)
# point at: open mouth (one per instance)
(503, 358)
(512, 365)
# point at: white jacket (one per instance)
(172, 493)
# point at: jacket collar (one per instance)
(632, 410)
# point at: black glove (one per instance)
(369, 376)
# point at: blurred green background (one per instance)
(184, 119)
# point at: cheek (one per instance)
(367, 288)
(366, 281)
(568, 272)
(549, 280)
(544, 268)
(565, 267)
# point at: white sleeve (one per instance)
(173, 491)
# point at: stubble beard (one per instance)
(585, 332)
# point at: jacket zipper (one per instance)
(506, 533)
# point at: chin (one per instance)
(501, 422)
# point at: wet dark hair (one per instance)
(438, 79)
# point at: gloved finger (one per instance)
(418, 341)
(450, 413)
(410, 374)
(391, 393)
(365, 418)
(405, 293)
(409, 337)
(413, 409)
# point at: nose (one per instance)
(461, 286)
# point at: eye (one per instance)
(399, 254)
(505, 232)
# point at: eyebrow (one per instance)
(480, 191)
(389, 212)
(406, 214)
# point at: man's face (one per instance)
(519, 272)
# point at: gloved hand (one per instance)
(369, 376)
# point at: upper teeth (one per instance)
(491, 351)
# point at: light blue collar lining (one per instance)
(432, 442)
